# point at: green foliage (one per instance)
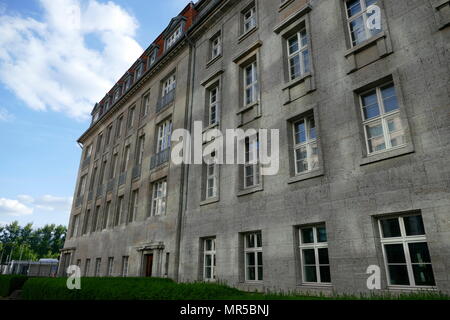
(26, 243)
(10, 283)
(165, 289)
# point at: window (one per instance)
(79, 263)
(131, 115)
(405, 251)
(213, 105)
(119, 210)
(112, 173)
(253, 257)
(86, 222)
(82, 185)
(216, 46)
(106, 215)
(159, 198)
(314, 255)
(95, 219)
(126, 158)
(172, 39)
(96, 116)
(75, 222)
(140, 150)
(125, 266)
(146, 105)
(251, 166)
(108, 134)
(117, 94)
(99, 143)
(357, 16)
(87, 265)
(88, 152)
(98, 263)
(212, 178)
(305, 145)
(94, 174)
(101, 178)
(168, 85)
(138, 72)
(119, 126)
(110, 266)
(164, 134)
(152, 58)
(251, 89)
(134, 205)
(249, 19)
(298, 54)
(381, 119)
(209, 259)
(128, 82)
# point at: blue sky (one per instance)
(57, 58)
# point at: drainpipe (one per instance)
(185, 167)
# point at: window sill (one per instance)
(213, 60)
(210, 127)
(411, 288)
(306, 176)
(293, 90)
(389, 154)
(249, 191)
(315, 285)
(296, 81)
(247, 107)
(247, 34)
(209, 201)
(365, 44)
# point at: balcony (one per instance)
(85, 162)
(160, 158)
(136, 173)
(165, 100)
(122, 178)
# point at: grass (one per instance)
(10, 283)
(166, 289)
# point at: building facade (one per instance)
(363, 115)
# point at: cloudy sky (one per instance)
(57, 59)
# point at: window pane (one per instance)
(294, 63)
(259, 240)
(250, 241)
(398, 275)
(312, 128)
(390, 228)
(414, 225)
(260, 273)
(325, 274)
(208, 261)
(370, 2)
(370, 105)
(353, 7)
(251, 273)
(423, 275)
(251, 259)
(301, 156)
(305, 55)
(357, 30)
(300, 132)
(395, 253)
(323, 256)
(293, 44)
(304, 38)
(375, 137)
(260, 258)
(419, 252)
(309, 256)
(310, 274)
(307, 235)
(321, 234)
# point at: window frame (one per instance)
(308, 143)
(163, 136)
(253, 250)
(214, 104)
(256, 168)
(313, 246)
(304, 69)
(98, 265)
(254, 85)
(159, 203)
(363, 13)
(174, 36)
(404, 240)
(383, 117)
(215, 49)
(213, 265)
(110, 269)
(134, 206)
(125, 265)
(251, 8)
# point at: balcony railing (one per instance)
(160, 158)
(165, 100)
(136, 173)
(122, 178)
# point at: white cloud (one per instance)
(5, 115)
(14, 208)
(52, 65)
(48, 203)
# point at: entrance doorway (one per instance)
(148, 264)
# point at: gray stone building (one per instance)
(363, 113)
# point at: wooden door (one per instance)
(148, 265)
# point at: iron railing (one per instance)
(160, 158)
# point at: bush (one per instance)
(125, 289)
(11, 283)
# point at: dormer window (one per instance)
(117, 94)
(96, 116)
(139, 71)
(174, 36)
(152, 57)
(128, 83)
